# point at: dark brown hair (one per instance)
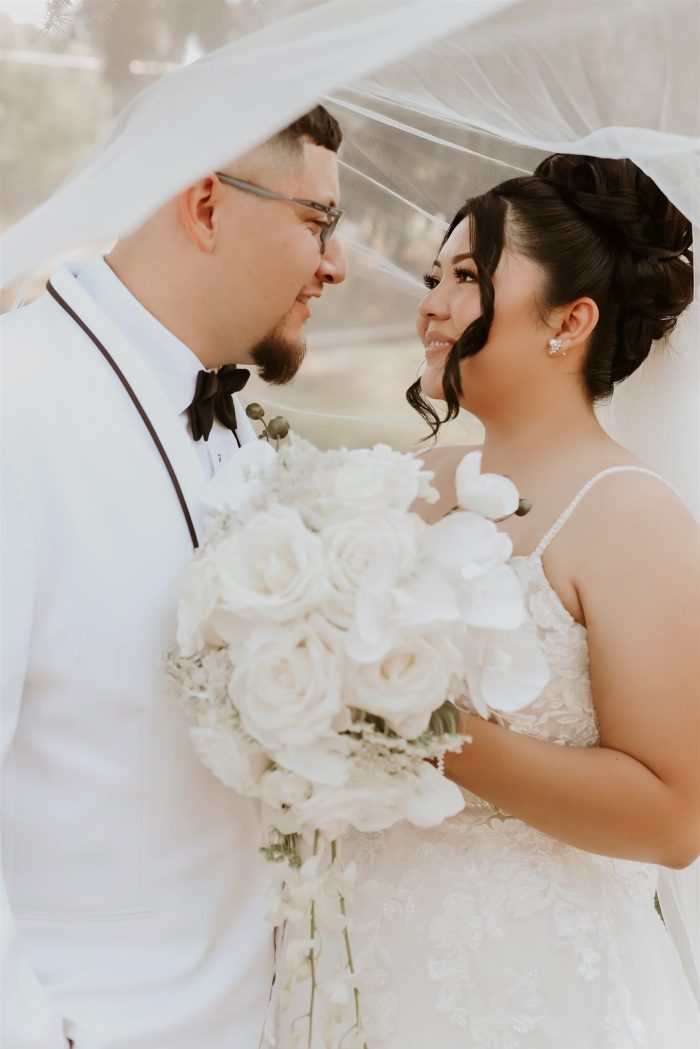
(318, 125)
(598, 228)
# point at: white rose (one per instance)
(236, 761)
(490, 495)
(379, 476)
(506, 670)
(361, 479)
(272, 569)
(407, 684)
(371, 550)
(288, 689)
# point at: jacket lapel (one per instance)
(173, 436)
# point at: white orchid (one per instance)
(490, 495)
(507, 670)
(466, 546)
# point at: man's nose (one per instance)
(333, 267)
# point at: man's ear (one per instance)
(198, 207)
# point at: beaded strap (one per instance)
(566, 514)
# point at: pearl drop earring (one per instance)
(555, 346)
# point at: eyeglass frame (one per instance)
(334, 214)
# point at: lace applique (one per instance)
(488, 928)
(467, 887)
(564, 712)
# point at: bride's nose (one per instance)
(434, 304)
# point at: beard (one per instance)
(277, 359)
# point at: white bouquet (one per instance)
(323, 633)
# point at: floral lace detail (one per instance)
(465, 886)
(564, 712)
(484, 933)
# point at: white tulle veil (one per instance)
(438, 101)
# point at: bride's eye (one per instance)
(430, 281)
(464, 276)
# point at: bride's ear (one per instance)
(574, 324)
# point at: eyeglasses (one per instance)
(333, 214)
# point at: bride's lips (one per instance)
(437, 345)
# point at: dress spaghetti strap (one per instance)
(566, 514)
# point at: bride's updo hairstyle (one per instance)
(597, 228)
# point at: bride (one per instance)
(528, 920)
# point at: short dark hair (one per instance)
(598, 228)
(318, 125)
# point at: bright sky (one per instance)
(24, 10)
(31, 10)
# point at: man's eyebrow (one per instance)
(456, 258)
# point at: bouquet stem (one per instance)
(348, 952)
(312, 960)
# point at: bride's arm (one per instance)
(637, 796)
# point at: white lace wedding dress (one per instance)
(486, 934)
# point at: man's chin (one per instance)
(278, 357)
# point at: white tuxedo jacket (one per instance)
(135, 888)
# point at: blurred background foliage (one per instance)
(69, 66)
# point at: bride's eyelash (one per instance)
(463, 277)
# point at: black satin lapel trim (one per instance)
(137, 404)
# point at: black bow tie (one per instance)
(213, 396)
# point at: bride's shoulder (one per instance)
(634, 492)
(628, 514)
(443, 462)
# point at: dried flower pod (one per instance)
(524, 507)
(255, 411)
(278, 427)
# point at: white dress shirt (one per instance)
(173, 364)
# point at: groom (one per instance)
(135, 888)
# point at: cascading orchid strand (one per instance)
(324, 633)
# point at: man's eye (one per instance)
(317, 220)
(317, 226)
